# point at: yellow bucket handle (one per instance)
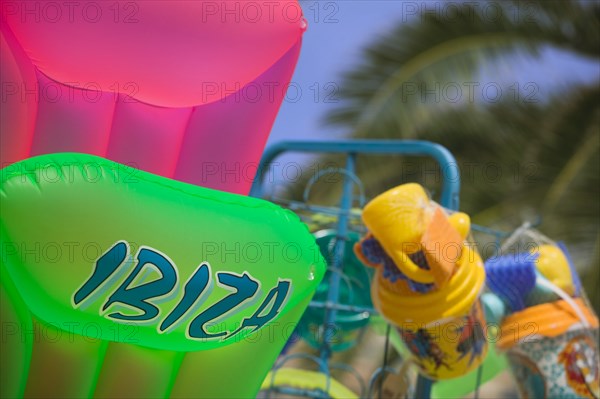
(410, 269)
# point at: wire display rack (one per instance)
(347, 219)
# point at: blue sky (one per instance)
(339, 30)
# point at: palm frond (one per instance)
(390, 94)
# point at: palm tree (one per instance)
(519, 159)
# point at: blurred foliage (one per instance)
(519, 159)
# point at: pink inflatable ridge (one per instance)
(19, 106)
(167, 53)
(203, 117)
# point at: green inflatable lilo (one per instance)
(117, 282)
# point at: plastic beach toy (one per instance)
(517, 277)
(141, 286)
(308, 380)
(443, 329)
(512, 277)
(441, 323)
(406, 222)
(552, 351)
(553, 264)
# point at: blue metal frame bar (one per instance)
(448, 166)
(340, 246)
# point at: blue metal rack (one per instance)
(449, 198)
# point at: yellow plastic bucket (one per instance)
(444, 328)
